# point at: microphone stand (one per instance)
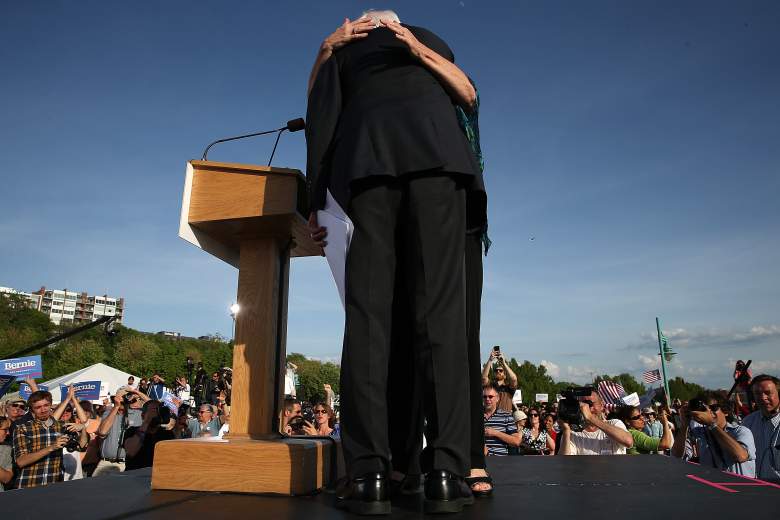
(292, 125)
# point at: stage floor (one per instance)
(638, 487)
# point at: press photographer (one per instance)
(140, 441)
(720, 444)
(226, 378)
(220, 383)
(126, 412)
(201, 382)
(587, 432)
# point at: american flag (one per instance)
(611, 393)
(651, 376)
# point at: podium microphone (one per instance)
(293, 126)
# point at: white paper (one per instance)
(631, 399)
(340, 230)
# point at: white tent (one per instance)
(110, 379)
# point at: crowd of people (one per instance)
(41, 443)
(712, 429)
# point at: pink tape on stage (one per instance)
(713, 484)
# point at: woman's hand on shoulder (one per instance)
(347, 33)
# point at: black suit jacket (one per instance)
(374, 110)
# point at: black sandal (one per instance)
(482, 493)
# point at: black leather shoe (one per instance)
(365, 495)
(444, 493)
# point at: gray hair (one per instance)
(380, 14)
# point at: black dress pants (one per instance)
(406, 435)
(411, 225)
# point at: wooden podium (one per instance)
(250, 217)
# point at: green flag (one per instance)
(668, 352)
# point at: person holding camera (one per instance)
(598, 436)
(503, 377)
(291, 409)
(325, 424)
(214, 386)
(140, 441)
(70, 411)
(38, 443)
(126, 412)
(720, 444)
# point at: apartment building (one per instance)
(64, 306)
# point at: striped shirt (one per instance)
(766, 433)
(503, 422)
(34, 436)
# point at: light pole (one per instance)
(233, 313)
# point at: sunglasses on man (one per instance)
(18, 405)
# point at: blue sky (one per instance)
(636, 143)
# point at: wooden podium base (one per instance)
(289, 466)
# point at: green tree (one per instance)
(71, 356)
(20, 326)
(137, 355)
(681, 389)
(532, 379)
(312, 375)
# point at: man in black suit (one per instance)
(383, 138)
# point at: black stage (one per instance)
(579, 488)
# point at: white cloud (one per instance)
(552, 369)
(768, 367)
(681, 338)
(580, 374)
(648, 362)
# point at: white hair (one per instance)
(380, 14)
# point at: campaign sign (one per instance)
(5, 383)
(25, 390)
(172, 402)
(22, 367)
(541, 398)
(87, 390)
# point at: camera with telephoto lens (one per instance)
(297, 426)
(162, 418)
(697, 405)
(226, 374)
(73, 440)
(307, 412)
(569, 407)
